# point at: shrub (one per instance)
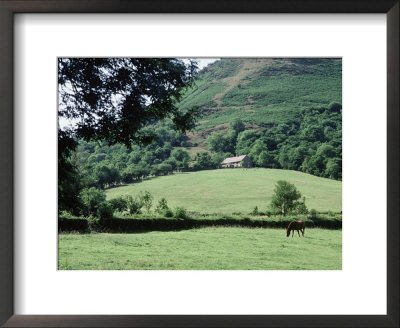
(162, 206)
(254, 211)
(119, 204)
(91, 199)
(134, 205)
(334, 107)
(301, 207)
(66, 215)
(105, 210)
(313, 213)
(168, 213)
(72, 224)
(180, 213)
(146, 200)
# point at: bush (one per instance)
(162, 206)
(181, 213)
(254, 211)
(91, 199)
(313, 213)
(105, 211)
(146, 199)
(66, 215)
(334, 107)
(119, 204)
(134, 205)
(168, 213)
(301, 207)
(65, 224)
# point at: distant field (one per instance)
(202, 249)
(235, 190)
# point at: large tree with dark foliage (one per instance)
(116, 100)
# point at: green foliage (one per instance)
(162, 206)
(146, 199)
(255, 211)
(168, 213)
(66, 215)
(273, 91)
(76, 224)
(335, 107)
(285, 197)
(301, 207)
(237, 126)
(88, 93)
(96, 81)
(218, 142)
(119, 204)
(140, 222)
(218, 158)
(69, 185)
(105, 210)
(203, 161)
(134, 205)
(245, 141)
(180, 213)
(106, 175)
(313, 213)
(181, 157)
(91, 199)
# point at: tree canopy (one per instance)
(285, 197)
(115, 99)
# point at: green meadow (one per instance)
(234, 190)
(202, 249)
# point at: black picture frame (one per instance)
(10, 7)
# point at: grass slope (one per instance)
(198, 249)
(234, 190)
(263, 91)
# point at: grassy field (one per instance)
(202, 249)
(235, 190)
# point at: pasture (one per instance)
(234, 190)
(202, 249)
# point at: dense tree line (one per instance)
(102, 165)
(312, 145)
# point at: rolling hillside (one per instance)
(282, 113)
(262, 92)
(234, 190)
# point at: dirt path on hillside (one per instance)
(246, 70)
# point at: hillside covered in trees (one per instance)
(282, 113)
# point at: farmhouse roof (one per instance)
(236, 159)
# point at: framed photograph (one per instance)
(199, 164)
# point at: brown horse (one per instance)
(296, 225)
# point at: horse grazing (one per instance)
(296, 225)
